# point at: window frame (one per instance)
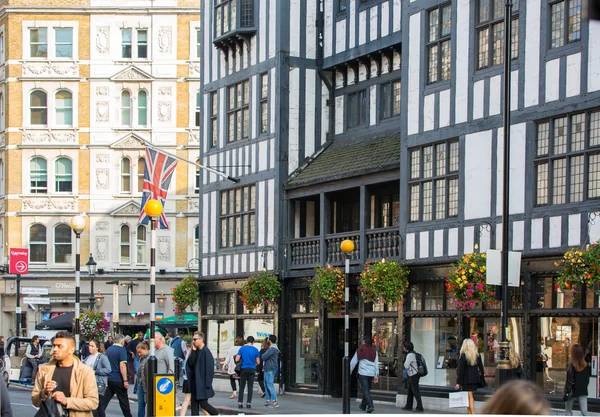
(122, 109)
(42, 109)
(489, 24)
(388, 100)
(141, 109)
(124, 244)
(264, 103)
(125, 175)
(141, 248)
(57, 43)
(51, 43)
(42, 243)
(214, 125)
(564, 35)
(358, 116)
(440, 39)
(134, 44)
(228, 217)
(38, 42)
(57, 244)
(68, 177)
(197, 178)
(42, 176)
(141, 167)
(68, 110)
(240, 111)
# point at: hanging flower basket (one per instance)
(383, 281)
(262, 288)
(93, 325)
(466, 283)
(327, 287)
(185, 295)
(579, 268)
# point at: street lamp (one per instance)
(153, 209)
(77, 224)
(91, 265)
(347, 247)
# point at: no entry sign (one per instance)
(19, 261)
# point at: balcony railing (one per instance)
(306, 252)
(383, 243)
(334, 252)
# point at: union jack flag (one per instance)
(158, 171)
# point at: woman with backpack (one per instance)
(99, 362)
(578, 379)
(470, 372)
(229, 364)
(411, 371)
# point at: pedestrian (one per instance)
(368, 371)
(260, 377)
(132, 355)
(168, 339)
(229, 364)
(109, 342)
(83, 349)
(164, 355)
(200, 374)
(250, 357)
(179, 348)
(99, 362)
(66, 379)
(2, 349)
(142, 382)
(412, 373)
(187, 394)
(269, 362)
(5, 407)
(117, 378)
(517, 398)
(578, 379)
(470, 372)
(515, 362)
(545, 358)
(33, 354)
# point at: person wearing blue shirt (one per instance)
(250, 357)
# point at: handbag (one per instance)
(458, 399)
(50, 408)
(101, 381)
(238, 367)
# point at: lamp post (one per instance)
(153, 210)
(347, 247)
(77, 224)
(91, 265)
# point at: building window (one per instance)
(37, 243)
(565, 21)
(141, 245)
(197, 178)
(142, 104)
(434, 181)
(63, 42)
(38, 172)
(225, 12)
(197, 110)
(63, 175)
(2, 177)
(38, 42)
(568, 152)
(64, 108)
(490, 33)
(62, 244)
(264, 103)
(357, 109)
(238, 111)
(198, 45)
(141, 166)
(125, 43)
(196, 253)
(38, 106)
(142, 43)
(390, 99)
(247, 13)
(342, 5)
(238, 208)
(213, 119)
(125, 108)
(2, 122)
(125, 249)
(125, 175)
(438, 46)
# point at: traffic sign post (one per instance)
(19, 261)
(163, 395)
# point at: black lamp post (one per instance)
(77, 224)
(91, 265)
(347, 246)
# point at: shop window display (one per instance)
(385, 340)
(260, 329)
(307, 354)
(220, 337)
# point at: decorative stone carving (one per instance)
(33, 137)
(193, 204)
(164, 91)
(102, 39)
(101, 91)
(129, 142)
(49, 204)
(2, 139)
(131, 74)
(130, 209)
(57, 69)
(194, 138)
(164, 39)
(102, 111)
(102, 226)
(194, 70)
(163, 246)
(164, 111)
(102, 158)
(102, 175)
(101, 252)
(2, 206)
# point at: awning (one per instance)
(187, 320)
(62, 322)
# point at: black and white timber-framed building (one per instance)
(380, 121)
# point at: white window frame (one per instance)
(30, 107)
(141, 165)
(66, 175)
(121, 108)
(138, 108)
(38, 242)
(51, 27)
(30, 188)
(124, 244)
(57, 108)
(135, 44)
(141, 246)
(55, 244)
(123, 174)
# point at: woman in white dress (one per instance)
(229, 364)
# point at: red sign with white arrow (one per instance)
(19, 261)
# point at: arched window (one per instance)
(125, 258)
(140, 174)
(196, 253)
(64, 108)
(141, 245)
(125, 108)
(142, 108)
(37, 243)
(62, 244)
(63, 175)
(38, 105)
(197, 184)
(38, 176)
(1, 177)
(197, 119)
(125, 175)
(2, 123)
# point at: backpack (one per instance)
(421, 365)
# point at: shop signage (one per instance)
(115, 303)
(493, 266)
(65, 285)
(19, 261)
(62, 300)
(34, 290)
(36, 300)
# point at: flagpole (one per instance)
(214, 171)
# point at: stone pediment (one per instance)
(129, 209)
(129, 141)
(132, 73)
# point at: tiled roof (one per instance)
(350, 157)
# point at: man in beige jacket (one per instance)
(68, 380)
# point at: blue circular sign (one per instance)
(165, 386)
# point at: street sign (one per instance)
(115, 303)
(493, 266)
(19, 261)
(36, 300)
(34, 290)
(164, 395)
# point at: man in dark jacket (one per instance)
(200, 373)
